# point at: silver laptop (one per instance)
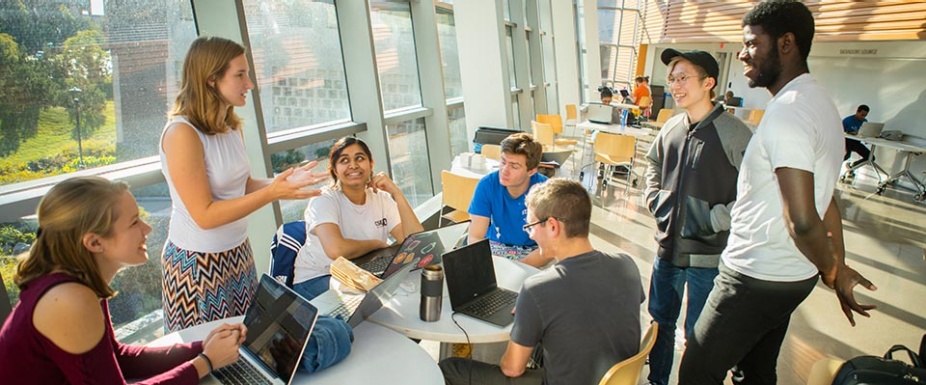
(870, 130)
(279, 323)
(599, 113)
(357, 308)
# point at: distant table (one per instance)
(908, 150)
(401, 313)
(378, 356)
(615, 129)
(473, 172)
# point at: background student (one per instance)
(356, 214)
(60, 331)
(850, 125)
(207, 264)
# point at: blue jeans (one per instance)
(313, 287)
(665, 302)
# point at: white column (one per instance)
(592, 48)
(483, 64)
(567, 54)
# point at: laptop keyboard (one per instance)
(241, 372)
(489, 304)
(377, 265)
(347, 306)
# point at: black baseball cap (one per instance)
(699, 58)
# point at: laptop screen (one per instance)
(624, 93)
(470, 272)
(279, 322)
(426, 247)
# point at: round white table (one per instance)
(401, 312)
(378, 356)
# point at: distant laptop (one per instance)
(421, 249)
(473, 289)
(624, 93)
(357, 308)
(599, 113)
(277, 317)
(870, 130)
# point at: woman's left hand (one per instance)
(381, 181)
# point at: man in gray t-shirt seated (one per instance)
(585, 310)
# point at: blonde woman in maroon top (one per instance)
(60, 331)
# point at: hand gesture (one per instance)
(290, 184)
(846, 279)
(381, 181)
(221, 345)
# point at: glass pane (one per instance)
(510, 45)
(293, 209)
(608, 24)
(515, 111)
(297, 62)
(411, 168)
(530, 52)
(506, 5)
(394, 41)
(608, 58)
(459, 143)
(84, 87)
(447, 34)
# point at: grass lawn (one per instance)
(54, 136)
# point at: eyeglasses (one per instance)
(530, 226)
(680, 80)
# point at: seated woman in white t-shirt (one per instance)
(353, 216)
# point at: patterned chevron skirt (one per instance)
(202, 287)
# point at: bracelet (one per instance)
(208, 361)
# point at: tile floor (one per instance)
(885, 238)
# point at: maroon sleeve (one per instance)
(145, 362)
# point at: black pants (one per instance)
(462, 371)
(857, 147)
(742, 325)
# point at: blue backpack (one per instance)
(283, 250)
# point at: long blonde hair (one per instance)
(199, 102)
(70, 210)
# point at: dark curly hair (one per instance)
(778, 17)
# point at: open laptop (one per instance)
(599, 113)
(421, 249)
(279, 323)
(357, 308)
(870, 130)
(473, 289)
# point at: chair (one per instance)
(755, 116)
(556, 123)
(661, 118)
(616, 150)
(284, 247)
(824, 371)
(572, 118)
(492, 151)
(645, 103)
(457, 193)
(627, 372)
(543, 133)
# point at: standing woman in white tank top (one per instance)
(207, 264)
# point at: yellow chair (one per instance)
(543, 133)
(627, 372)
(661, 118)
(645, 103)
(572, 117)
(614, 150)
(457, 194)
(755, 116)
(492, 151)
(556, 123)
(824, 371)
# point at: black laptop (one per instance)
(473, 289)
(421, 249)
(279, 323)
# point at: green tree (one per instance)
(89, 69)
(44, 25)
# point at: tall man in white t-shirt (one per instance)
(786, 228)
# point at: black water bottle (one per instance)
(432, 292)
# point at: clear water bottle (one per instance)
(432, 293)
(624, 113)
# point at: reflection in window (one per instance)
(297, 62)
(411, 167)
(293, 209)
(115, 72)
(396, 60)
(508, 42)
(447, 34)
(456, 120)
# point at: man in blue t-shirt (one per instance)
(497, 210)
(850, 125)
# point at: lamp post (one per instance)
(75, 93)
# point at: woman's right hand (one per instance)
(222, 347)
(290, 184)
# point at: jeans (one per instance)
(742, 326)
(665, 302)
(313, 287)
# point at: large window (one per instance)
(293, 209)
(456, 119)
(84, 87)
(396, 59)
(411, 168)
(447, 34)
(297, 62)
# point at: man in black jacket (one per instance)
(690, 188)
